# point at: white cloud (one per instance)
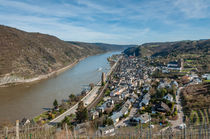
(59, 10)
(119, 21)
(68, 31)
(109, 9)
(193, 8)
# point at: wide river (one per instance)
(29, 100)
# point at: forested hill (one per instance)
(27, 55)
(104, 46)
(170, 48)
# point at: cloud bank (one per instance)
(110, 21)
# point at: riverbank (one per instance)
(30, 99)
(89, 99)
(46, 116)
(8, 81)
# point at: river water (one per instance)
(29, 100)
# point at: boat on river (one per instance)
(99, 69)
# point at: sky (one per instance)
(110, 21)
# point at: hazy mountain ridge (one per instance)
(28, 55)
(104, 46)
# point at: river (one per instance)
(29, 100)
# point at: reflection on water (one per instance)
(31, 99)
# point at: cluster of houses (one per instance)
(179, 66)
(131, 75)
(123, 111)
(192, 79)
(167, 84)
(130, 87)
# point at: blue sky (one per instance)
(111, 21)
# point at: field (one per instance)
(200, 62)
(196, 103)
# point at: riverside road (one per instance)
(88, 99)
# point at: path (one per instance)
(179, 121)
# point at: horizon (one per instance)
(107, 42)
(113, 22)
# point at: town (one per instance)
(138, 94)
(134, 96)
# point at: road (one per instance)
(100, 95)
(179, 121)
(89, 99)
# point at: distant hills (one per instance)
(170, 48)
(28, 55)
(103, 46)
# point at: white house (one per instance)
(168, 97)
(173, 65)
(206, 76)
(145, 100)
(116, 117)
(144, 118)
(106, 131)
(193, 76)
(94, 114)
(24, 121)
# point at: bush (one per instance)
(142, 112)
(72, 97)
(51, 116)
(126, 115)
(175, 111)
(148, 109)
(108, 121)
(82, 113)
(100, 103)
(55, 103)
(107, 92)
(61, 110)
(67, 120)
(102, 84)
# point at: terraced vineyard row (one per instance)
(197, 117)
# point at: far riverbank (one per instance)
(8, 81)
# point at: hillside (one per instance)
(26, 55)
(195, 101)
(196, 54)
(104, 46)
(170, 48)
(196, 96)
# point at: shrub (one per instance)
(55, 103)
(107, 92)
